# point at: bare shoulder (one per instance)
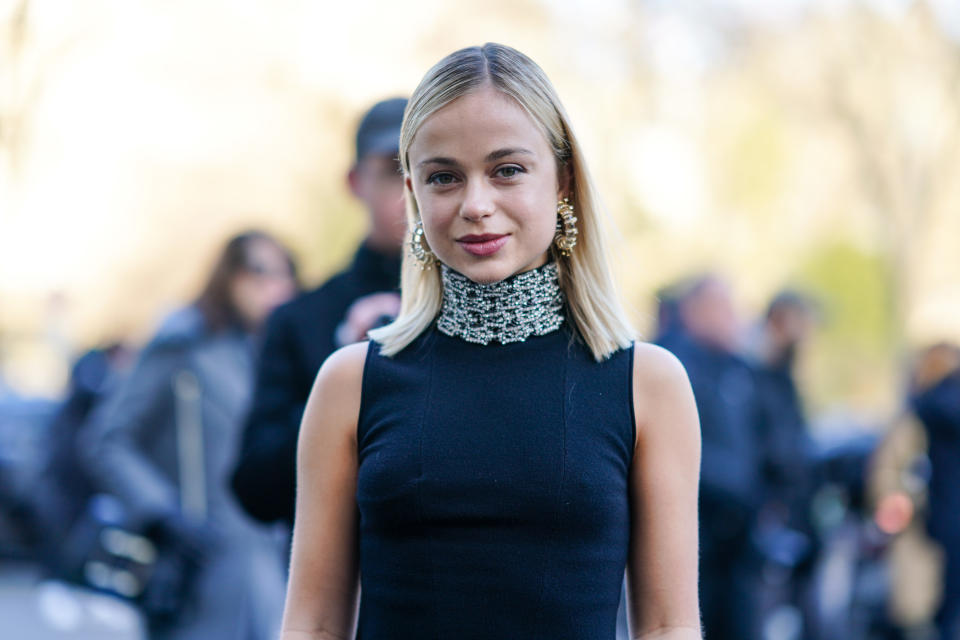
(344, 367)
(662, 396)
(334, 402)
(655, 367)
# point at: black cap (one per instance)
(379, 131)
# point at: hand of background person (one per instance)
(366, 313)
(183, 547)
(191, 540)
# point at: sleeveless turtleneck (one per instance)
(492, 488)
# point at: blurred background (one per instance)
(809, 144)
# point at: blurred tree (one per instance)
(16, 96)
(891, 88)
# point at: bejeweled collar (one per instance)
(512, 310)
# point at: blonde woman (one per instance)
(492, 461)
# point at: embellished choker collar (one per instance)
(512, 310)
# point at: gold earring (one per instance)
(424, 257)
(566, 237)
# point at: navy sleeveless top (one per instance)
(493, 489)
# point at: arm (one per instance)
(113, 445)
(662, 566)
(264, 477)
(322, 593)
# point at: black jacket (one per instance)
(939, 410)
(787, 446)
(299, 337)
(728, 404)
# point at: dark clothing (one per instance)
(730, 421)
(493, 490)
(724, 386)
(939, 410)
(66, 485)
(299, 337)
(787, 448)
(728, 591)
(786, 442)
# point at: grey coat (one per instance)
(136, 448)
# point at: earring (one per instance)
(566, 237)
(424, 257)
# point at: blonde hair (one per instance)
(592, 301)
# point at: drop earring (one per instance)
(565, 238)
(424, 257)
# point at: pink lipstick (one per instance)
(482, 244)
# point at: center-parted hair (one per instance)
(594, 307)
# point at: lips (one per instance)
(482, 244)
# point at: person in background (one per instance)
(669, 324)
(301, 335)
(786, 534)
(790, 318)
(165, 443)
(704, 335)
(66, 485)
(935, 398)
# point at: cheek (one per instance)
(435, 212)
(542, 216)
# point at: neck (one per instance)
(512, 310)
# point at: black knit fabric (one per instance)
(493, 490)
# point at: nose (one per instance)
(478, 202)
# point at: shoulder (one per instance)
(344, 367)
(655, 366)
(662, 396)
(334, 402)
(179, 334)
(311, 304)
(179, 329)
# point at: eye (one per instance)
(509, 171)
(441, 178)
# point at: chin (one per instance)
(485, 273)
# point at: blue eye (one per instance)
(441, 178)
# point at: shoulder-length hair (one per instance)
(595, 309)
(215, 302)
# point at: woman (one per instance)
(495, 458)
(165, 443)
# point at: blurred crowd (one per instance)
(165, 475)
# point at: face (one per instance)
(486, 183)
(791, 326)
(264, 284)
(710, 316)
(377, 181)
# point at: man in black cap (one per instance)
(301, 334)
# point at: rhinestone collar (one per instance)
(512, 310)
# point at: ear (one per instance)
(353, 181)
(408, 183)
(564, 181)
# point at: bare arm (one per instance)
(322, 592)
(662, 567)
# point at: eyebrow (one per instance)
(493, 155)
(503, 153)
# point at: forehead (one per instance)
(476, 124)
